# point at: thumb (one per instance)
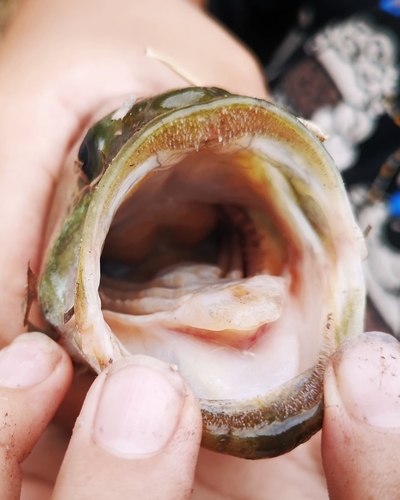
(361, 430)
(137, 436)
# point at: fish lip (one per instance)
(270, 440)
(273, 438)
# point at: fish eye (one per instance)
(83, 158)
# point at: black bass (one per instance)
(213, 232)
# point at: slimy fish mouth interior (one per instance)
(213, 232)
(200, 249)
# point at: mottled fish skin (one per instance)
(260, 427)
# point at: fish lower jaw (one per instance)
(219, 369)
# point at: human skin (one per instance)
(61, 64)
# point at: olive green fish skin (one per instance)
(261, 431)
(61, 264)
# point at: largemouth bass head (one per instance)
(211, 231)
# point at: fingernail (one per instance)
(139, 408)
(29, 360)
(367, 373)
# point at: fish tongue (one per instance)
(240, 305)
(195, 299)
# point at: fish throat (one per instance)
(199, 241)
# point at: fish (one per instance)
(211, 231)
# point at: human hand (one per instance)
(138, 433)
(64, 64)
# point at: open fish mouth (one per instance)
(211, 231)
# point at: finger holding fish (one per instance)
(35, 374)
